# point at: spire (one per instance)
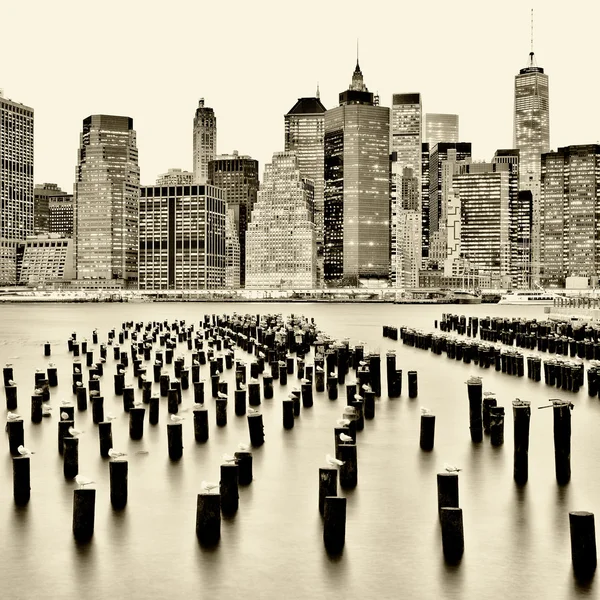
(357, 70)
(531, 56)
(318, 93)
(357, 77)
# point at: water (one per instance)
(516, 541)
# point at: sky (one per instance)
(251, 61)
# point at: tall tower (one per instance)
(304, 135)
(532, 138)
(356, 201)
(441, 128)
(16, 183)
(205, 141)
(106, 193)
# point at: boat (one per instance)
(464, 297)
(532, 297)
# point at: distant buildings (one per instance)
(304, 135)
(181, 237)
(106, 201)
(237, 176)
(570, 214)
(46, 258)
(16, 183)
(441, 128)
(281, 238)
(175, 177)
(424, 203)
(356, 203)
(205, 141)
(53, 210)
(232, 252)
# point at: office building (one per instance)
(175, 177)
(531, 131)
(232, 252)
(106, 201)
(441, 128)
(569, 214)
(237, 176)
(425, 203)
(60, 215)
(408, 250)
(304, 135)
(181, 237)
(357, 188)
(16, 183)
(46, 259)
(281, 237)
(205, 141)
(42, 193)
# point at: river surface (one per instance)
(516, 539)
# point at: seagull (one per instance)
(75, 432)
(222, 395)
(24, 451)
(243, 447)
(76, 370)
(228, 458)
(252, 411)
(346, 438)
(79, 384)
(304, 380)
(37, 391)
(95, 376)
(110, 417)
(11, 382)
(209, 486)
(94, 393)
(64, 416)
(46, 411)
(114, 454)
(11, 416)
(120, 371)
(343, 422)
(425, 411)
(451, 469)
(333, 461)
(137, 404)
(83, 481)
(332, 374)
(358, 397)
(176, 419)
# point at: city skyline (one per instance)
(254, 126)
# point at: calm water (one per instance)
(516, 541)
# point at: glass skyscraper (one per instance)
(441, 128)
(16, 183)
(569, 214)
(205, 141)
(304, 135)
(281, 238)
(357, 187)
(106, 200)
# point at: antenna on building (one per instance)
(531, 61)
(318, 93)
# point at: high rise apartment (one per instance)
(281, 238)
(357, 174)
(205, 141)
(304, 135)
(441, 128)
(237, 176)
(16, 183)
(106, 200)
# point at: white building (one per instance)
(47, 258)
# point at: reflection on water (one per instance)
(516, 537)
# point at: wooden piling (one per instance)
(36, 408)
(21, 479)
(349, 470)
(71, 457)
(327, 485)
(229, 489)
(521, 417)
(256, 429)
(583, 543)
(307, 395)
(413, 386)
(208, 518)
(453, 544)
(136, 422)
(118, 472)
(175, 440)
(201, 424)
(244, 462)
(427, 432)
(221, 412)
(334, 524)
(562, 440)
(475, 392)
(84, 506)
(447, 488)
(497, 425)
(105, 436)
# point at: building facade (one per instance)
(46, 258)
(304, 135)
(570, 214)
(531, 133)
(106, 200)
(357, 188)
(232, 252)
(175, 177)
(205, 141)
(48, 202)
(424, 203)
(441, 128)
(281, 239)
(16, 184)
(181, 237)
(237, 176)
(408, 249)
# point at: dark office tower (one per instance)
(356, 203)
(237, 176)
(42, 193)
(60, 218)
(425, 201)
(182, 237)
(16, 184)
(106, 201)
(569, 214)
(304, 135)
(205, 141)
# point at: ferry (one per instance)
(537, 297)
(465, 297)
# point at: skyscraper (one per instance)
(237, 176)
(175, 177)
(441, 128)
(205, 141)
(425, 202)
(281, 238)
(42, 193)
(16, 183)
(232, 252)
(106, 200)
(569, 214)
(356, 202)
(304, 135)
(60, 218)
(181, 237)
(532, 137)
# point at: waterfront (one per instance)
(516, 540)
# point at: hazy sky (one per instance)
(252, 59)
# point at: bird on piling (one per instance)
(110, 417)
(451, 468)
(64, 416)
(425, 411)
(114, 454)
(176, 419)
(209, 486)
(24, 451)
(79, 384)
(75, 432)
(243, 447)
(76, 370)
(253, 411)
(343, 422)
(120, 371)
(304, 380)
(346, 438)
(83, 481)
(95, 377)
(228, 458)
(37, 391)
(222, 395)
(11, 382)
(46, 411)
(65, 403)
(334, 462)
(11, 416)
